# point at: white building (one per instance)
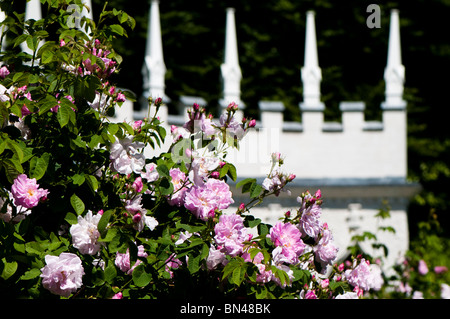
(357, 164)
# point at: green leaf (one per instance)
(30, 274)
(47, 57)
(165, 187)
(92, 182)
(77, 204)
(238, 275)
(194, 263)
(163, 171)
(116, 28)
(232, 171)
(71, 219)
(63, 115)
(78, 179)
(110, 272)
(9, 269)
(245, 182)
(47, 103)
(38, 166)
(104, 220)
(15, 148)
(255, 190)
(32, 43)
(140, 277)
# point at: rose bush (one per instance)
(86, 214)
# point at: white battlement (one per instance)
(356, 163)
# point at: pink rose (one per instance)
(62, 274)
(26, 192)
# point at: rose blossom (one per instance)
(123, 260)
(62, 274)
(203, 200)
(179, 188)
(150, 174)
(422, 268)
(4, 72)
(202, 165)
(365, 276)
(264, 275)
(310, 223)
(85, 234)
(230, 233)
(288, 237)
(26, 192)
(325, 250)
(125, 157)
(215, 258)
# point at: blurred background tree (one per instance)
(352, 57)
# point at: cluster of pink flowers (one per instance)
(364, 276)
(92, 67)
(277, 180)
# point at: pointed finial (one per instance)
(2, 30)
(394, 74)
(311, 73)
(231, 72)
(154, 69)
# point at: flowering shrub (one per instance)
(86, 214)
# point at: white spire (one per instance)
(87, 12)
(32, 11)
(394, 73)
(154, 69)
(231, 72)
(3, 29)
(311, 73)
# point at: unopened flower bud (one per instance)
(318, 194)
(242, 207)
(232, 107)
(158, 102)
(137, 218)
(252, 123)
(215, 174)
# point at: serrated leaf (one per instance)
(63, 115)
(30, 274)
(38, 166)
(9, 269)
(245, 181)
(104, 220)
(71, 219)
(255, 190)
(92, 182)
(140, 277)
(77, 204)
(47, 103)
(47, 57)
